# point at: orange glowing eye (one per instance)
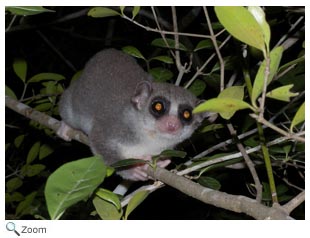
(187, 115)
(158, 106)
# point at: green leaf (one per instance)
(133, 51)
(161, 74)
(98, 12)
(197, 87)
(76, 76)
(217, 165)
(241, 24)
(211, 127)
(7, 145)
(109, 196)
(9, 92)
(13, 184)
(163, 58)
(209, 182)
(280, 149)
(50, 87)
(135, 11)
(159, 42)
(122, 9)
(19, 140)
(24, 207)
(287, 65)
(106, 210)
(110, 171)
(45, 76)
(282, 189)
(29, 170)
(284, 198)
(14, 197)
(236, 92)
(260, 17)
(173, 153)
(59, 90)
(82, 177)
(299, 116)
(275, 58)
(135, 201)
(295, 75)
(287, 149)
(266, 191)
(222, 106)
(204, 44)
(230, 64)
(20, 68)
(43, 107)
(27, 11)
(45, 150)
(127, 162)
(282, 93)
(33, 152)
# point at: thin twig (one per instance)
(176, 39)
(44, 25)
(200, 70)
(263, 98)
(283, 109)
(182, 69)
(221, 145)
(51, 45)
(249, 163)
(289, 183)
(160, 31)
(163, 31)
(232, 156)
(177, 46)
(277, 129)
(289, 31)
(284, 72)
(11, 23)
(39, 96)
(219, 55)
(151, 188)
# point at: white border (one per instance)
(147, 228)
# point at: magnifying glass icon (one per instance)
(10, 226)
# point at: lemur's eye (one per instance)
(159, 107)
(185, 113)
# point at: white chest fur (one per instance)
(149, 146)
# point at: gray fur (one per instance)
(101, 104)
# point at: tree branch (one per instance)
(239, 204)
(295, 202)
(220, 199)
(43, 119)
